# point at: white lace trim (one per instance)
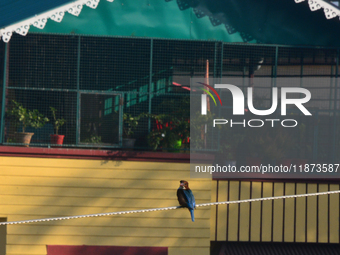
(330, 10)
(40, 20)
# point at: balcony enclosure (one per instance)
(94, 81)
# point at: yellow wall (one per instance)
(313, 219)
(33, 188)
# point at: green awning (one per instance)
(262, 21)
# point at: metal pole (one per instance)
(4, 83)
(78, 93)
(121, 119)
(273, 83)
(315, 138)
(301, 71)
(150, 85)
(331, 88)
(222, 48)
(215, 56)
(275, 67)
(219, 108)
(334, 140)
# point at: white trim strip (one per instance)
(40, 20)
(329, 10)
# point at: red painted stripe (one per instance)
(104, 250)
(17, 151)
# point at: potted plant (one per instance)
(271, 145)
(57, 123)
(130, 123)
(93, 139)
(230, 149)
(169, 134)
(285, 142)
(165, 138)
(302, 149)
(26, 118)
(197, 136)
(226, 155)
(253, 147)
(229, 146)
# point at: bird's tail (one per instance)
(192, 214)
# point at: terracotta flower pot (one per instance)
(57, 139)
(23, 138)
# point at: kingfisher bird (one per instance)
(186, 198)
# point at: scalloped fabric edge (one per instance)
(40, 20)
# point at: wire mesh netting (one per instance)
(43, 62)
(107, 89)
(99, 124)
(263, 68)
(2, 71)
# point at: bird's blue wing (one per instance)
(193, 200)
(186, 196)
(190, 198)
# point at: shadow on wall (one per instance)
(68, 187)
(274, 22)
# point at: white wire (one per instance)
(168, 208)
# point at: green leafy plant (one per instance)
(198, 124)
(172, 116)
(230, 139)
(174, 130)
(130, 124)
(270, 143)
(93, 139)
(57, 123)
(26, 117)
(302, 148)
(155, 138)
(164, 138)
